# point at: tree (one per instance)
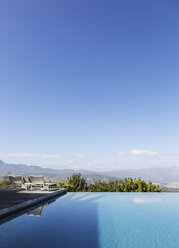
(76, 183)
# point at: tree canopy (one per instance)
(76, 183)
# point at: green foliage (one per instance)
(4, 184)
(76, 183)
(126, 185)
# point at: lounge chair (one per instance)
(39, 181)
(17, 181)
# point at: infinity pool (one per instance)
(103, 220)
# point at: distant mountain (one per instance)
(159, 175)
(156, 175)
(26, 170)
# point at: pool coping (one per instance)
(26, 204)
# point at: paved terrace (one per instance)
(13, 201)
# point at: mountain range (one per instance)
(52, 174)
(157, 175)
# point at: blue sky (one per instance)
(89, 84)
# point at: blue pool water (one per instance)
(103, 220)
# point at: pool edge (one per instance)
(26, 204)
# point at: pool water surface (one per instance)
(98, 220)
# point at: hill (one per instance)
(156, 175)
(26, 170)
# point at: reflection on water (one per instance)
(32, 211)
(97, 220)
(148, 199)
(72, 221)
(36, 211)
(141, 198)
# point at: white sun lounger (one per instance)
(39, 181)
(17, 181)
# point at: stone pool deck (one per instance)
(13, 201)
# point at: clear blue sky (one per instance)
(85, 83)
